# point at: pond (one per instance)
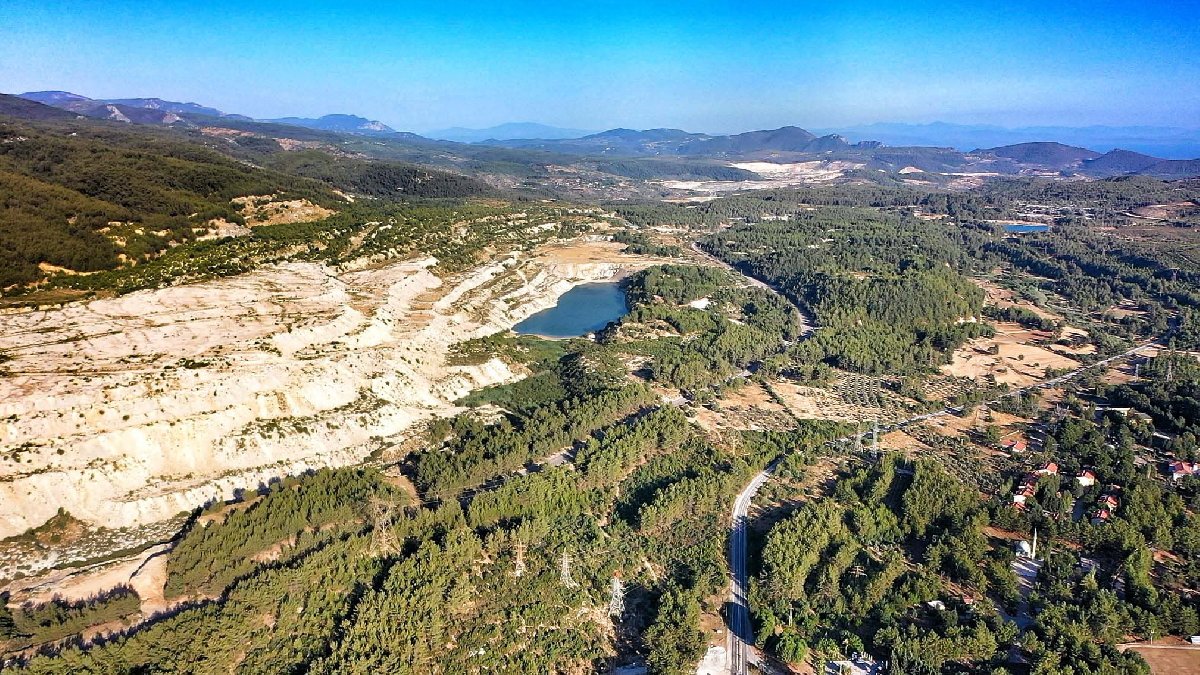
(1024, 227)
(581, 310)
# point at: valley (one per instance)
(274, 408)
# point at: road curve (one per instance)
(806, 324)
(741, 633)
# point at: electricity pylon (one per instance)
(565, 572)
(383, 538)
(519, 563)
(616, 603)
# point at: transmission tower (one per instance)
(383, 538)
(875, 436)
(519, 563)
(565, 572)
(616, 604)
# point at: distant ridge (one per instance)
(1171, 142)
(1049, 154)
(676, 142)
(658, 152)
(134, 110)
(1119, 162)
(160, 111)
(15, 106)
(168, 106)
(506, 132)
(343, 123)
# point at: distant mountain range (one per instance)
(506, 132)
(1169, 142)
(159, 111)
(669, 147)
(675, 142)
(342, 123)
(1073, 160)
(121, 110)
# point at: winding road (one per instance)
(741, 633)
(806, 324)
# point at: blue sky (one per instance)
(702, 66)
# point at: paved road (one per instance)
(741, 634)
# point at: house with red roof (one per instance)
(1048, 469)
(1179, 469)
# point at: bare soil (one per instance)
(1170, 657)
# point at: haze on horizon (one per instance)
(703, 66)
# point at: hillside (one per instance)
(376, 179)
(15, 106)
(95, 197)
(1117, 163)
(137, 111)
(87, 195)
(1050, 154)
(1173, 168)
(168, 106)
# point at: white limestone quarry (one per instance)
(126, 411)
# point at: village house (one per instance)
(1180, 469)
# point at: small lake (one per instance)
(1018, 228)
(581, 310)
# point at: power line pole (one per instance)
(519, 563)
(383, 538)
(565, 572)
(616, 602)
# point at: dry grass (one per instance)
(1018, 361)
(1170, 657)
(747, 408)
(266, 210)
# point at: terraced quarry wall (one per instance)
(127, 411)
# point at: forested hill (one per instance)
(91, 195)
(885, 288)
(68, 185)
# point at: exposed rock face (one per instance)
(129, 410)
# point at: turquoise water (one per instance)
(1022, 227)
(579, 311)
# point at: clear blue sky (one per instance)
(702, 66)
